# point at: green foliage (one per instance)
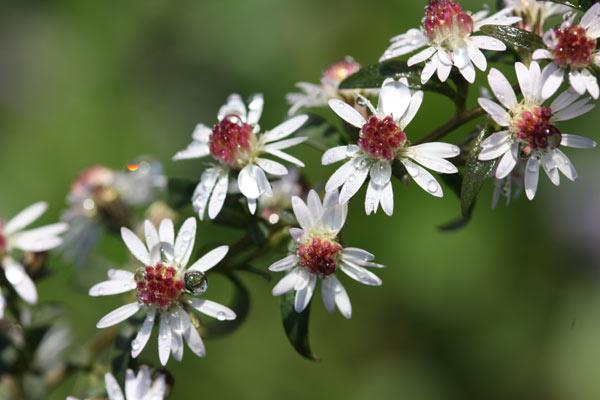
(577, 4)
(296, 326)
(514, 37)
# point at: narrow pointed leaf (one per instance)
(514, 37)
(296, 326)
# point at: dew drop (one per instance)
(432, 186)
(135, 344)
(221, 316)
(351, 178)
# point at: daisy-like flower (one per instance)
(142, 386)
(317, 95)
(318, 254)
(572, 49)
(271, 209)
(13, 239)
(164, 288)
(237, 146)
(529, 127)
(448, 35)
(381, 141)
(534, 14)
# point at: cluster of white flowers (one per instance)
(524, 117)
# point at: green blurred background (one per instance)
(507, 308)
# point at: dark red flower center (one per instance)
(573, 48)
(2, 241)
(381, 138)
(445, 19)
(230, 140)
(535, 130)
(339, 71)
(319, 255)
(159, 285)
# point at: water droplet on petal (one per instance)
(221, 316)
(432, 186)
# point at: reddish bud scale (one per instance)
(445, 16)
(381, 137)
(319, 256)
(159, 286)
(534, 128)
(230, 138)
(341, 70)
(573, 48)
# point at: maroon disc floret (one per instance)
(159, 286)
(573, 47)
(536, 131)
(446, 17)
(381, 138)
(230, 138)
(319, 255)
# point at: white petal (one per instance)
(443, 71)
(152, 238)
(135, 246)
(302, 213)
(428, 70)
(532, 172)
(394, 99)
(360, 274)
(314, 205)
(204, 189)
(218, 196)
(541, 54)
(247, 182)
(234, 106)
(111, 287)
(25, 217)
(507, 162)
(360, 254)
(491, 153)
(287, 283)
(164, 340)
(477, 57)
(563, 100)
(574, 110)
(192, 338)
(502, 89)
(166, 232)
(141, 339)
(565, 165)
(524, 79)
(381, 172)
(488, 43)
(468, 72)
(550, 168)
(284, 264)
(340, 176)
(432, 162)
(335, 217)
(304, 295)
(286, 157)
(210, 259)
(328, 294)
(271, 167)
(387, 199)
(437, 149)
(372, 198)
(577, 81)
(119, 315)
(338, 153)
(285, 129)
(353, 184)
(17, 276)
(347, 113)
(213, 309)
(415, 103)
(577, 142)
(184, 243)
(553, 78)
(255, 108)
(284, 144)
(342, 301)
(193, 150)
(421, 56)
(498, 114)
(112, 387)
(296, 233)
(423, 178)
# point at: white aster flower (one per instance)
(572, 49)
(313, 95)
(141, 387)
(164, 288)
(290, 185)
(318, 255)
(448, 37)
(381, 141)
(529, 130)
(236, 146)
(14, 239)
(534, 14)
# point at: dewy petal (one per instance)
(328, 294)
(360, 274)
(192, 337)
(433, 163)
(193, 150)
(347, 113)
(25, 217)
(210, 259)
(111, 287)
(507, 162)
(532, 173)
(303, 296)
(287, 283)
(437, 149)
(184, 243)
(164, 340)
(428, 70)
(247, 182)
(204, 189)
(553, 78)
(112, 387)
(213, 309)
(335, 217)
(468, 72)
(135, 246)
(415, 103)
(286, 157)
(574, 110)
(477, 57)
(340, 176)
(166, 232)
(356, 253)
(234, 106)
(394, 98)
(421, 56)
(564, 100)
(284, 264)
(272, 167)
(151, 234)
(565, 165)
(119, 315)
(381, 172)
(120, 275)
(140, 341)
(314, 205)
(372, 198)
(577, 81)
(502, 89)
(577, 142)
(342, 301)
(217, 198)
(524, 79)
(17, 276)
(338, 153)
(285, 129)
(541, 54)
(498, 114)
(284, 144)
(353, 184)
(488, 43)
(423, 178)
(550, 168)
(255, 108)
(387, 199)
(302, 213)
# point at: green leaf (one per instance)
(240, 304)
(476, 172)
(582, 5)
(296, 326)
(180, 192)
(515, 37)
(372, 77)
